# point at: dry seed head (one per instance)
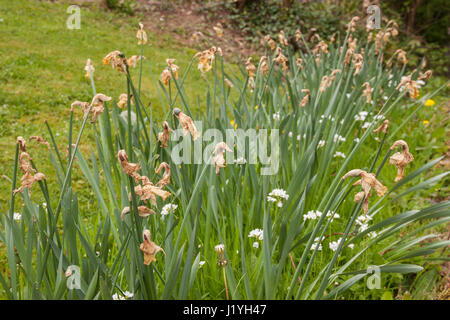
(143, 212)
(141, 34)
(149, 248)
(187, 124)
(400, 159)
(383, 127)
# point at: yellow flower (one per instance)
(430, 103)
(233, 124)
(256, 107)
(426, 122)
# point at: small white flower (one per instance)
(219, 248)
(357, 140)
(240, 160)
(279, 204)
(366, 125)
(256, 233)
(255, 244)
(115, 296)
(372, 234)
(334, 244)
(17, 216)
(351, 245)
(128, 294)
(338, 138)
(279, 193)
(333, 214)
(168, 208)
(271, 199)
(361, 116)
(276, 116)
(385, 97)
(339, 154)
(320, 144)
(348, 95)
(44, 205)
(312, 215)
(290, 134)
(201, 263)
(316, 244)
(379, 117)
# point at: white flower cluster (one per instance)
(361, 116)
(323, 117)
(320, 144)
(334, 244)
(339, 154)
(316, 244)
(277, 195)
(299, 137)
(338, 138)
(256, 233)
(17, 216)
(168, 208)
(128, 295)
(314, 214)
(276, 116)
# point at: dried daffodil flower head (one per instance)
(97, 105)
(383, 127)
(149, 192)
(40, 140)
(133, 60)
(281, 59)
(219, 160)
(149, 248)
(141, 34)
(282, 39)
(143, 212)
(89, 68)
(220, 250)
(84, 105)
(298, 35)
(165, 76)
(367, 182)
(367, 92)
(352, 24)
(165, 180)
(250, 67)
(206, 59)
(22, 144)
(400, 159)
(117, 60)
(410, 85)
(186, 123)
(305, 99)
(130, 169)
(164, 136)
(123, 100)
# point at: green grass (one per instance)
(41, 70)
(211, 209)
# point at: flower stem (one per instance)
(225, 282)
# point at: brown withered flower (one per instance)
(425, 76)
(84, 105)
(305, 99)
(133, 60)
(352, 24)
(250, 67)
(206, 59)
(282, 39)
(147, 191)
(298, 35)
(299, 63)
(22, 144)
(164, 136)
(117, 60)
(219, 160)
(41, 140)
(141, 34)
(165, 180)
(89, 68)
(281, 59)
(30, 175)
(229, 83)
(97, 105)
(187, 124)
(123, 100)
(400, 159)
(410, 85)
(358, 60)
(323, 84)
(129, 168)
(149, 248)
(383, 127)
(367, 182)
(367, 92)
(143, 212)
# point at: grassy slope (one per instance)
(41, 73)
